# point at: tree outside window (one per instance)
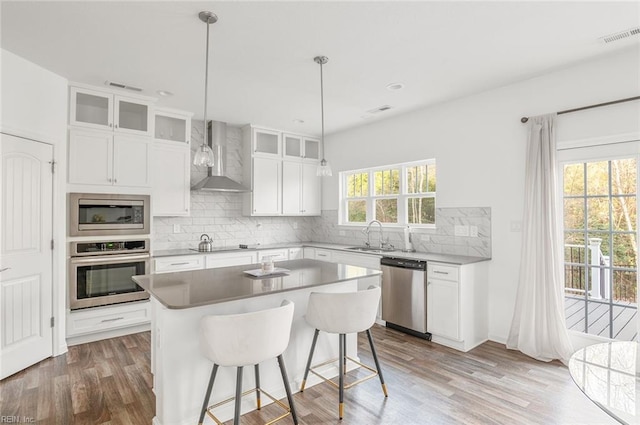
(399, 194)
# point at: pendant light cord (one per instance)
(322, 108)
(206, 86)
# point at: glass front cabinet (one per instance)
(106, 111)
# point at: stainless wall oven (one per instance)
(100, 272)
(108, 214)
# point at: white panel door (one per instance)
(131, 161)
(291, 188)
(25, 253)
(170, 176)
(311, 190)
(266, 186)
(90, 157)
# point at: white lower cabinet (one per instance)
(457, 309)
(227, 259)
(179, 263)
(275, 254)
(296, 253)
(94, 323)
(323, 254)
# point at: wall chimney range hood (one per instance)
(216, 181)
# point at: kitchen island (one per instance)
(180, 300)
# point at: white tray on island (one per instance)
(260, 273)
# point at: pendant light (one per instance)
(204, 155)
(324, 169)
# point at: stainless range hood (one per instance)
(216, 181)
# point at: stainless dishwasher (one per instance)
(404, 295)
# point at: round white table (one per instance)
(609, 374)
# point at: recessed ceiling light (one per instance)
(395, 86)
(164, 93)
(298, 121)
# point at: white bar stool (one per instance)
(343, 313)
(240, 340)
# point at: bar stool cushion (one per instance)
(344, 312)
(248, 338)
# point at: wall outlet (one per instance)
(461, 230)
(473, 231)
(516, 226)
(342, 232)
(176, 228)
(295, 224)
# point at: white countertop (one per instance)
(425, 256)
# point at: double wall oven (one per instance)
(101, 266)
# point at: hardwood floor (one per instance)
(108, 382)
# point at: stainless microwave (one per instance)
(106, 214)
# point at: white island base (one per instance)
(181, 372)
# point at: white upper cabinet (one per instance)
(295, 146)
(301, 188)
(100, 158)
(172, 125)
(267, 142)
(266, 196)
(282, 173)
(107, 111)
(170, 169)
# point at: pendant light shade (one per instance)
(324, 169)
(204, 155)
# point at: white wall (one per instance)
(479, 144)
(34, 106)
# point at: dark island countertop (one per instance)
(210, 286)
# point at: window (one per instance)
(600, 247)
(399, 194)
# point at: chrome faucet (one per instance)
(368, 230)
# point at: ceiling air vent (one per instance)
(122, 86)
(621, 35)
(379, 109)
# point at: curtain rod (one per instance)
(613, 102)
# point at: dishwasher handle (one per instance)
(403, 263)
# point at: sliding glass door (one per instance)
(600, 247)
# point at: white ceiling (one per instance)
(261, 64)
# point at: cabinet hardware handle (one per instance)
(179, 264)
(4, 269)
(116, 125)
(112, 320)
(115, 180)
(109, 180)
(439, 272)
(110, 124)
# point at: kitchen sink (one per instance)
(370, 249)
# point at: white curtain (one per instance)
(538, 328)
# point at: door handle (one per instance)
(4, 269)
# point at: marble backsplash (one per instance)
(441, 240)
(219, 215)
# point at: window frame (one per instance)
(402, 196)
